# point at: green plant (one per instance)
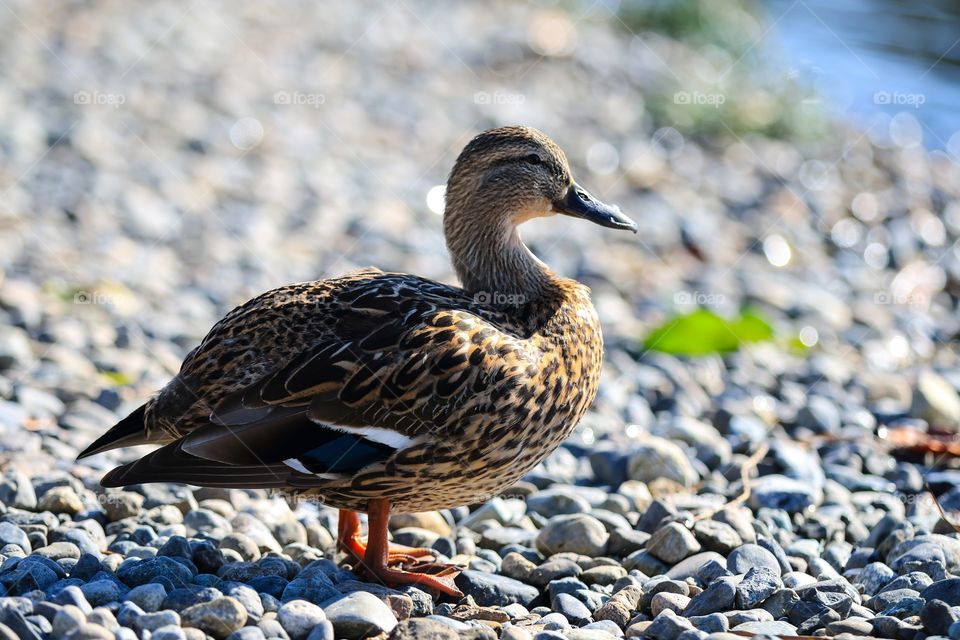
(703, 332)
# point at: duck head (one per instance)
(501, 179)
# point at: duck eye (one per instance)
(533, 159)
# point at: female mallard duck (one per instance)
(377, 391)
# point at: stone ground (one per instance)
(164, 163)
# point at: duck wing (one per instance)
(399, 363)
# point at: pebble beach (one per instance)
(162, 164)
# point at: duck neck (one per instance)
(491, 260)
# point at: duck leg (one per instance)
(377, 558)
(348, 536)
(350, 543)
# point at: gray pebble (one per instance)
(359, 614)
(298, 617)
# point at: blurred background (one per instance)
(792, 165)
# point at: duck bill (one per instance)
(580, 204)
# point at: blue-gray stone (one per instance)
(12, 534)
(273, 585)
(101, 592)
(904, 608)
(774, 547)
(248, 598)
(711, 623)
(73, 595)
(884, 599)
(315, 587)
(568, 585)
(18, 623)
(779, 492)
(185, 597)
(914, 580)
(148, 597)
(249, 633)
(819, 415)
(87, 565)
(667, 626)
(207, 558)
(555, 621)
(572, 609)
(176, 546)
(757, 585)
(690, 567)
(718, 596)
(874, 577)
(748, 556)
(84, 541)
(781, 602)
(937, 617)
(947, 590)
(712, 570)
(134, 574)
(493, 589)
(31, 577)
(607, 626)
(554, 569)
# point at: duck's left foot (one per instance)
(433, 576)
(350, 543)
(380, 558)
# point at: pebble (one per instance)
(780, 492)
(572, 609)
(936, 400)
(759, 583)
(359, 615)
(767, 628)
(219, 617)
(148, 597)
(947, 590)
(748, 556)
(121, 504)
(134, 574)
(299, 617)
(718, 596)
(660, 458)
(672, 543)
(874, 577)
(675, 602)
(67, 619)
(575, 533)
(11, 534)
(61, 500)
(417, 628)
(717, 536)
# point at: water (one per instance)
(873, 59)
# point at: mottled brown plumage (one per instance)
(388, 387)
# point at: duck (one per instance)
(380, 392)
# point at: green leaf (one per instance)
(117, 378)
(751, 327)
(703, 332)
